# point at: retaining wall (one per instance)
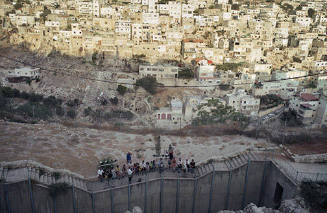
(253, 182)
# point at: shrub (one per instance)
(45, 13)
(9, 92)
(73, 103)
(148, 83)
(3, 102)
(94, 57)
(60, 111)
(18, 6)
(39, 111)
(225, 87)
(114, 100)
(311, 12)
(35, 97)
(52, 101)
(229, 66)
(25, 95)
(87, 111)
(314, 194)
(186, 73)
(235, 6)
(56, 175)
(138, 56)
(71, 113)
(121, 89)
(104, 101)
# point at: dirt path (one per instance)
(79, 149)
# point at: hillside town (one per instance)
(242, 59)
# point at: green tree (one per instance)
(88, 111)
(45, 13)
(52, 101)
(121, 89)
(71, 113)
(60, 111)
(186, 73)
(114, 100)
(149, 83)
(35, 97)
(3, 102)
(18, 5)
(94, 57)
(235, 6)
(9, 92)
(311, 12)
(35, 110)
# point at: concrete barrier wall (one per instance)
(43, 202)
(254, 182)
(102, 202)
(274, 176)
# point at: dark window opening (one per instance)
(278, 195)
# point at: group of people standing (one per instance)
(130, 168)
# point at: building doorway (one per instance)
(278, 195)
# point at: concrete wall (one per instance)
(274, 176)
(254, 182)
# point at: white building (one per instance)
(150, 18)
(243, 102)
(259, 68)
(158, 71)
(303, 98)
(76, 31)
(321, 115)
(175, 9)
(205, 71)
(322, 82)
(123, 27)
(170, 117)
(85, 8)
(304, 21)
(52, 23)
(24, 72)
(279, 74)
(319, 65)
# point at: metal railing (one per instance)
(291, 171)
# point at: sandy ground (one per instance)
(79, 149)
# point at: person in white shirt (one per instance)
(130, 174)
(100, 174)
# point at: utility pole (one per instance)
(284, 131)
(33, 110)
(181, 17)
(180, 124)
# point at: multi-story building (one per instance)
(321, 115)
(158, 71)
(244, 103)
(170, 117)
(307, 100)
(205, 71)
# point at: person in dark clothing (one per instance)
(171, 152)
(192, 164)
(128, 157)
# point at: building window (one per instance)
(168, 116)
(163, 116)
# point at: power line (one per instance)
(133, 84)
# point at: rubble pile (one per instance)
(296, 205)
